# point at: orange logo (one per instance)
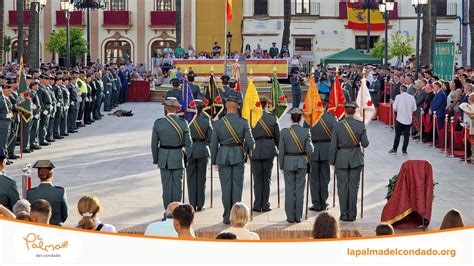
(34, 242)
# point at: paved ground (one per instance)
(112, 160)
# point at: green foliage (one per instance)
(379, 50)
(401, 45)
(57, 42)
(391, 186)
(7, 43)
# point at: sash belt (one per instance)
(170, 147)
(321, 140)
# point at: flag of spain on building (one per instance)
(358, 16)
(229, 10)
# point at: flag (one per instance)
(188, 109)
(357, 17)
(212, 100)
(313, 107)
(278, 103)
(236, 72)
(229, 10)
(252, 105)
(364, 101)
(337, 100)
(24, 100)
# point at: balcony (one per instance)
(76, 19)
(117, 20)
(13, 18)
(163, 19)
(343, 10)
(305, 8)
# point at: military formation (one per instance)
(229, 142)
(61, 101)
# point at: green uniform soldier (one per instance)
(267, 136)
(26, 126)
(54, 109)
(196, 91)
(15, 127)
(345, 154)
(175, 92)
(170, 135)
(201, 130)
(8, 189)
(294, 148)
(46, 107)
(116, 88)
(99, 85)
(374, 90)
(73, 105)
(36, 110)
(230, 88)
(6, 116)
(231, 140)
(347, 88)
(58, 93)
(63, 129)
(320, 170)
(56, 196)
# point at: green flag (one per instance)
(24, 100)
(278, 103)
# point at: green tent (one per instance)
(350, 56)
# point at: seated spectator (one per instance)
(226, 235)
(89, 207)
(8, 189)
(54, 195)
(183, 217)
(23, 216)
(325, 226)
(239, 218)
(452, 219)
(453, 105)
(164, 227)
(4, 212)
(41, 211)
(384, 229)
(21, 206)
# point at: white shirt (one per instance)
(105, 227)
(242, 233)
(161, 228)
(404, 105)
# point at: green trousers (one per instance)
(262, 178)
(319, 183)
(172, 184)
(347, 189)
(232, 182)
(295, 182)
(196, 180)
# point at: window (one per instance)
(361, 42)
(302, 6)
(303, 45)
(117, 51)
(14, 50)
(165, 5)
(158, 46)
(118, 5)
(260, 7)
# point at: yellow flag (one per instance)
(313, 107)
(252, 108)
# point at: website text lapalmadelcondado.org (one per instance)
(401, 252)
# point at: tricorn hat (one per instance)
(351, 105)
(296, 111)
(171, 101)
(44, 164)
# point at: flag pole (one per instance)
(363, 153)
(225, 37)
(309, 158)
(212, 120)
(274, 101)
(251, 176)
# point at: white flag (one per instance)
(364, 101)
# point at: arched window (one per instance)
(14, 51)
(158, 46)
(118, 5)
(117, 51)
(165, 5)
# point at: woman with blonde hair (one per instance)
(239, 218)
(89, 207)
(325, 226)
(452, 219)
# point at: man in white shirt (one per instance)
(164, 227)
(404, 106)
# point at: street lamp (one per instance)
(229, 40)
(385, 7)
(418, 5)
(67, 8)
(89, 4)
(36, 6)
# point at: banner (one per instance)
(258, 67)
(443, 60)
(358, 16)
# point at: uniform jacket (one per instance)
(164, 134)
(35, 104)
(200, 147)
(287, 145)
(45, 99)
(225, 155)
(375, 86)
(438, 104)
(6, 114)
(56, 196)
(266, 147)
(347, 158)
(175, 92)
(319, 135)
(8, 192)
(106, 79)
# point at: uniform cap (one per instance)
(174, 81)
(225, 77)
(44, 164)
(296, 111)
(232, 80)
(232, 96)
(351, 105)
(171, 101)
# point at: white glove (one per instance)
(73, 103)
(45, 112)
(37, 117)
(9, 115)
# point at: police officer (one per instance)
(8, 189)
(170, 135)
(231, 140)
(36, 110)
(99, 85)
(230, 87)
(55, 195)
(321, 135)
(347, 88)
(45, 102)
(26, 125)
(15, 126)
(58, 93)
(108, 87)
(117, 86)
(82, 84)
(201, 130)
(267, 135)
(295, 147)
(345, 154)
(73, 105)
(67, 104)
(54, 109)
(374, 89)
(88, 101)
(6, 116)
(175, 92)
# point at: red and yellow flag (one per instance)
(337, 100)
(313, 107)
(357, 17)
(229, 10)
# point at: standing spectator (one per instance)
(41, 211)
(179, 51)
(295, 62)
(55, 195)
(216, 50)
(452, 219)
(247, 51)
(191, 52)
(420, 96)
(438, 105)
(325, 226)
(324, 85)
(411, 87)
(274, 51)
(295, 88)
(384, 229)
(8, 189)
(239, 218)
(168, 50)
(404, 106)
(258, 52)
(468, 119)
(183, 217)
(285, 53)
(453, 105)
(164, 227)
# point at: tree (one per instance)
(20, 39)
(401, 45)
(178, 23)
(7, 42)
(57, 43)
(33, 36)
(286, 22)
(471, 25)
(2, 22)
(428, 36)
(379, 49)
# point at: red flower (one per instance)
(26, 94)
(369, 103)
(192, 104)
(282, 98)
(258, 104)
(206, 101)
(218, 99)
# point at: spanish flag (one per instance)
(252, 109)
(312, 107)
(357, 16)
(229, 10)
